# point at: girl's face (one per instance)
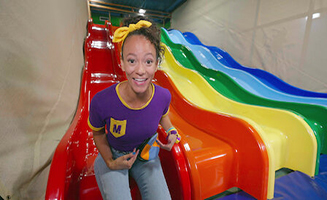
(139, 63)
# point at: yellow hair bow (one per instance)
(122, 32)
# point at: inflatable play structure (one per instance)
(228, 142)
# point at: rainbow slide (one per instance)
(245, 79)
(218, 150)
(313, 114)
(267, 78)
(284, 133)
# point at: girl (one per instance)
(131, 111)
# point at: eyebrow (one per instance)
(133, 54)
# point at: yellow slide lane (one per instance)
(289, 140)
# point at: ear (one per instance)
(122, 64)
(157, 65)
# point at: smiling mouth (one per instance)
(140, 80)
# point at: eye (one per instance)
(132, 61)
(149, 62)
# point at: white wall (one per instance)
(278, 36)
(41, 58)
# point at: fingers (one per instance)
(132, 159)
(126, 161)
(172, 138)
(167, 146)
(160, 143)
(132, 156)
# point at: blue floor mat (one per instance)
(295, 185)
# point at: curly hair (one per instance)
(151, 33)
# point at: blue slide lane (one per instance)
(246, 80)
(265, 77)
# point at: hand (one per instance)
(170, 143)
(123, 162)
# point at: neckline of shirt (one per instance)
(129, 107)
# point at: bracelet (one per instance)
(173, 131)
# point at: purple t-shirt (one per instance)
(127, 127)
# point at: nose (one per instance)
(140, 70)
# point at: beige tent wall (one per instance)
(284, 37)
(41, 58)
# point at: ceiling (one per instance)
(167, 6)
(159, 11)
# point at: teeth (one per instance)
(140, 79)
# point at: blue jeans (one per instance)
(114, 184)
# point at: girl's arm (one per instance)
(166, 124)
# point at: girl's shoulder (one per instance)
(162, 92)
(160, 89)
(105, 93)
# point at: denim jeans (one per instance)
(114, 184)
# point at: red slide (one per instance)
(217, 152)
